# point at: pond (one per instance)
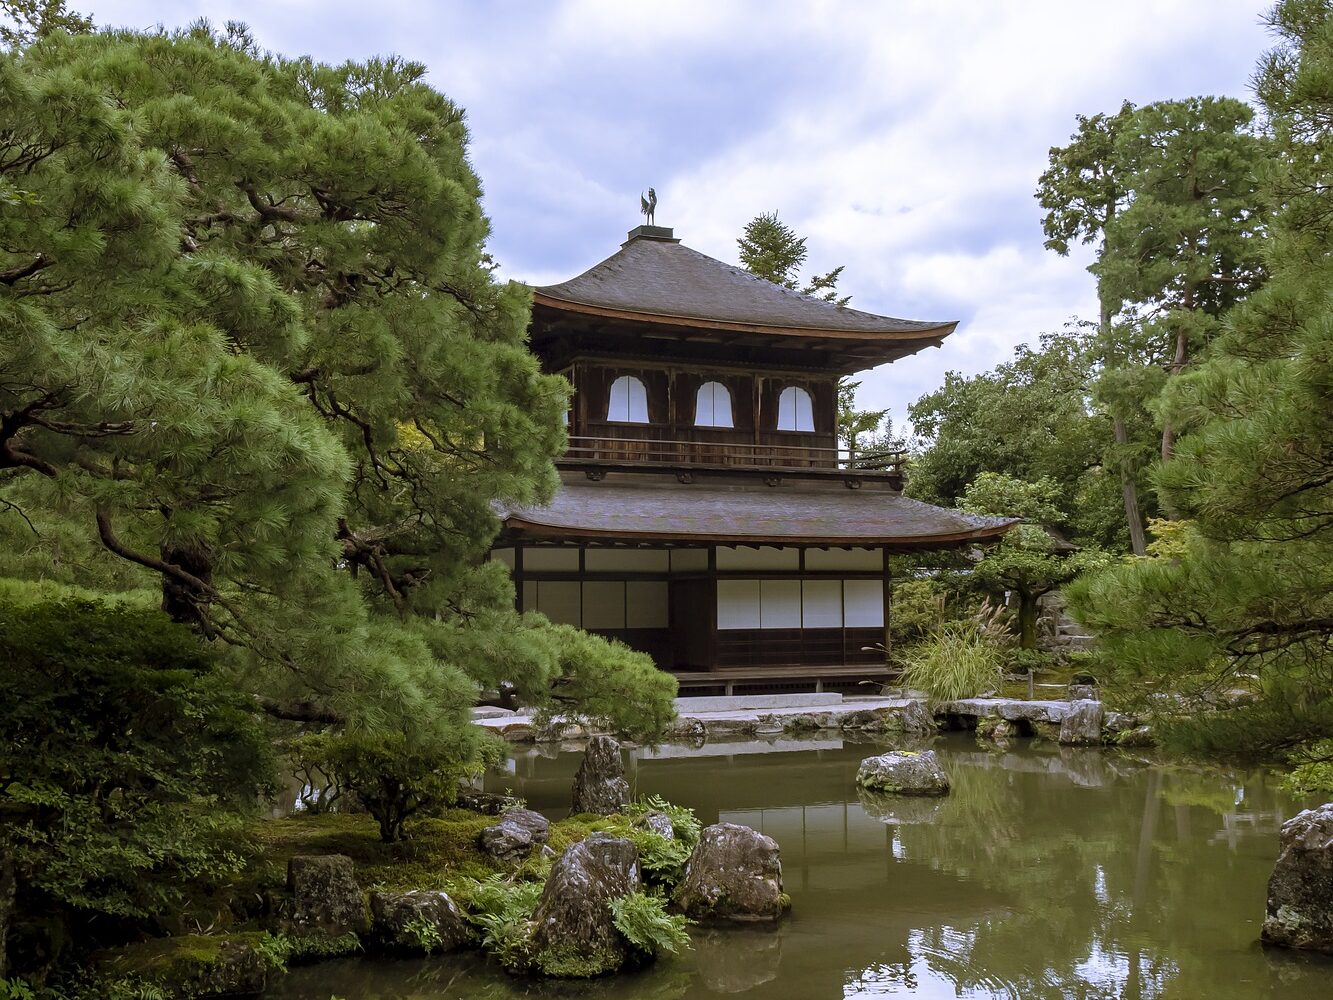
(1048, 872)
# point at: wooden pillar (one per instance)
(518, 578)
(712, 610)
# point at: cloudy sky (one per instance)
(902, 138)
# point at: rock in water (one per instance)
(1082, 725)
(735, 875)
(1300, 890)
(917, 718)
(573, 933)
(418, 921)
(600, 786)
(192, 965)
(515, 836)
(904, 772)
(325, 896)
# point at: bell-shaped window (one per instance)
(712, 406)
(795, 411)
(629, 401)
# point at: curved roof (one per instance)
(657, 278)
(668, 512)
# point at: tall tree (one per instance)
(1030, 419)
(1249, 604)
(1082, 190)
(253, 347)
(1185, 249)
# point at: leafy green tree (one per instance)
(255, 350)
(1027, 562)
(1247, 607)
(127, 764)
(1168, 192)
(1030, 419)
(398, 775)
(24, 21)
(1082, 190)
(862, 430)
(1187, 246)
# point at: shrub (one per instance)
(126, 762)
(643, 919)
(399, 775)
(918, 607)
(959, 660)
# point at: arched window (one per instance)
(795, 412)
(629, 401)
(712, 406)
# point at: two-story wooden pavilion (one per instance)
(706, 513)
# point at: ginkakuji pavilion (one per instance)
(707, 514)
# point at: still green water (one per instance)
(1048, 872)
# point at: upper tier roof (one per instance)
(655, 278)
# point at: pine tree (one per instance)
(254, 348)
(1248, 606)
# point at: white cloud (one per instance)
(904, 139)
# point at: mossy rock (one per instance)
(193, 965)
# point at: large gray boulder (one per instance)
(917, 719)
(1300, 890)
(600, 785)
(1082, 726)
(734, 875)
(325, 896)
(904, 772)
(518, 833)
(573, 933)
(418, 921)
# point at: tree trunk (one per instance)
(1177, 366)
(1138, 543)
(1128, 487)
(182, 602)
(1027, 621)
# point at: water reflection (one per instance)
(1047, 872)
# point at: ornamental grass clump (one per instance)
(962, 659)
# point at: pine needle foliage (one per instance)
(1236, 623)
(257, 359)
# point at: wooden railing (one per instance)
(733, 455)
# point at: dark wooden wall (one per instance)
(672, 392)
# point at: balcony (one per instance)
(772, 460)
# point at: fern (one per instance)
(644, 921)
(425, 934)
(500, 909)
(683, 821)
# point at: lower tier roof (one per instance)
(745, 513)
